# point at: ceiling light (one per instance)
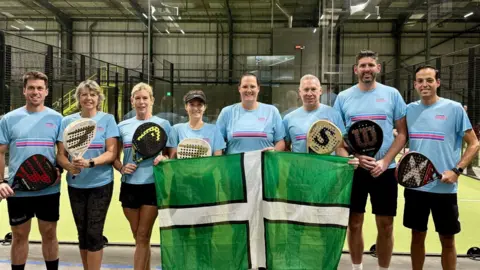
(314, 30)
(154, 18)
(145, 15)
(29, 28)
(14, 27)
(366, 17)
(168, 32)
(468, 14)
(182, 31)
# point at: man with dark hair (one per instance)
(436, 129)
(370, 100)
(26, 131)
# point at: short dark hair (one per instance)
(366, 53)
(34, 75)
(437, 76)
(246, 75)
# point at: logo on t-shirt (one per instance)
(440, 117)
(100, 129)
(381, 100)
(50, 125)
(262, 119)
(206, 139)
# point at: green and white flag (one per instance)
(272, 210)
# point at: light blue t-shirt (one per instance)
(208, 132)
(144, 173)
(437, 132)
(298, 122)
(28, 134)
(99, 175)
(383, 105)
(250, 130)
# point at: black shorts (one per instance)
(134, 196)
(418, 205)
(44, 207)
(383, 192)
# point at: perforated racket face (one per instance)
(148, 140)
(35, 173)
(78, 136)
(415, 170)
(365, 137)
(323, 137)
(193, 148)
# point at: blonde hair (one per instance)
(90, 86)
(142, 86)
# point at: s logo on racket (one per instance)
(365, 137)
(323, 137)
(148, 141)
(415, 170)
(193, 148)
(35, 173)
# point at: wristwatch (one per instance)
(91, 162)
(457, 170)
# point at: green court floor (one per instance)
(117, 229)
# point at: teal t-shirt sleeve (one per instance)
(221, 123)
(173, 137)
(400, 108)
(285, 127)
(279, 129)
(218, 141)
(168, 130)
(462, 122)
(338, 106)
(111, 128)
(338, 121)
(4, 138)
(62, 128)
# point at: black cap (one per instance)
(191, 96)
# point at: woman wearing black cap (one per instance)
(195, 105)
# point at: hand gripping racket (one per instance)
(415, 170)
(35, 173)
(148, 141)
(323, 137)
(365, 137)
(193, 148)
(78, 136)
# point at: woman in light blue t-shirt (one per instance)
(251, 125)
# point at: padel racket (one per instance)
(148, 141)
(323, 137)
(35, 173)
(78, 136)
(415, 170)
(365, 137)
(193, 148)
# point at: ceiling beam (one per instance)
(64, 19)
(344, 16)
(404, 16)
(138, 10)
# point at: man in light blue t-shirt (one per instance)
(370, 100)
(437, 127)
(26, 131)
(298, 122)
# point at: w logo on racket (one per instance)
(365, 137)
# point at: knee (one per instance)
(355, 224)
(385, 227)
(448, 241)
(49, 234)
(143, 236)
(20, 236)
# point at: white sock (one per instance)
(382, 268)
(357, 266)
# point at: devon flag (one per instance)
(257, 210)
